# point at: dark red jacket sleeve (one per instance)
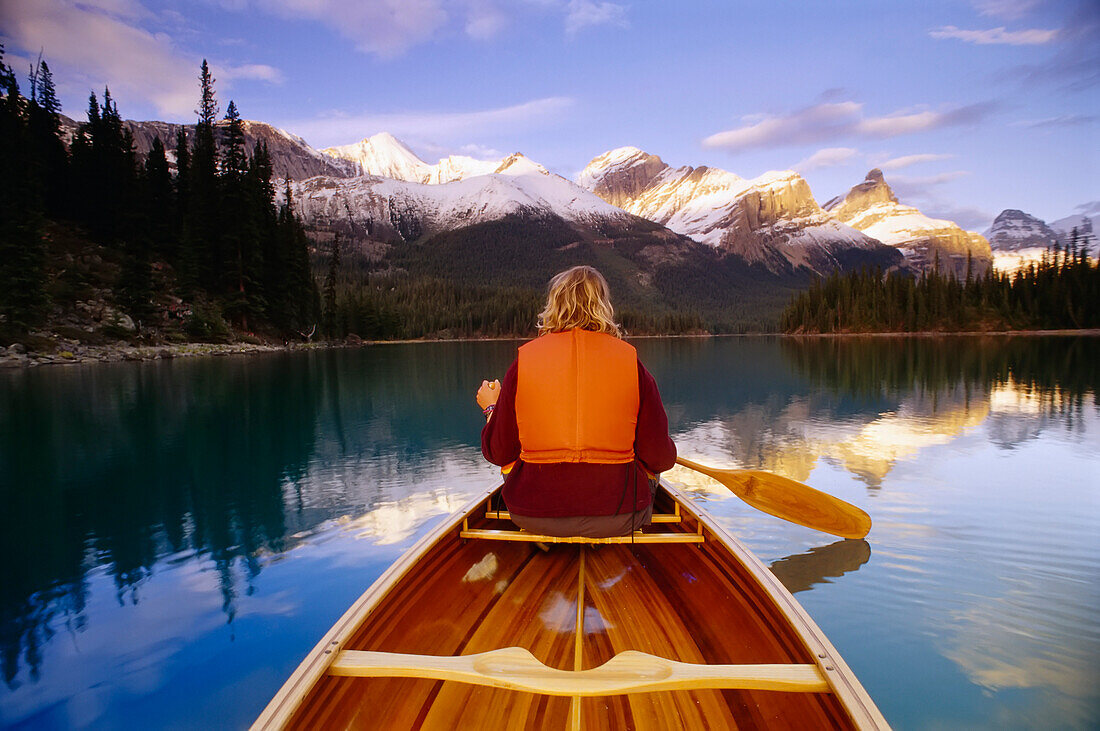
(500, 435)
(652, 444)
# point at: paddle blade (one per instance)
(790, 500)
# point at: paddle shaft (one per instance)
(789, 500)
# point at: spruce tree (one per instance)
(23, 296)
(204, 244)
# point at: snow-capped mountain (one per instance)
(383, 155)
(413, 209)
(872, 207)
(1013, 230)
(772, 219)
(1085, 227)
(1019, 240)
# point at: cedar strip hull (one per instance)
(696, 603)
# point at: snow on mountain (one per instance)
(1020, 240)
(1013, 230)
(1085, 227)
(872, 208)
(377, 205)
(385, 156)
(772, 219)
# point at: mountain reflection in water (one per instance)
(261, 495)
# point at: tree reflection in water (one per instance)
(226, 460)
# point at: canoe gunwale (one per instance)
(842, 682)
(316, 663)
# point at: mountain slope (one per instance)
(1013, 230)
(872, 207)
(291, 156)
(772, 220)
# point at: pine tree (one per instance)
(23, 296)
(204, 245)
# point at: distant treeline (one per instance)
(1061, 291)
(210, 234)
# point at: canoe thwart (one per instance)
(519, 535)
(657, 518)
(515, 668)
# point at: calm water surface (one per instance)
(176, 535)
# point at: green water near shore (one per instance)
(177, 534)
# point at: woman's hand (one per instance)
(488, 394)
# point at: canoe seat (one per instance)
(657, 518)
(524, 536)
(515, 668)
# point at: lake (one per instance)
(176, 535)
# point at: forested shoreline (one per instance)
(101, 243)
(1061, 292)
(197, 242)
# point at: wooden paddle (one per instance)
(790, 500)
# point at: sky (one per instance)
(969, 108)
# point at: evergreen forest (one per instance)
(1062, 291)
(92, 225)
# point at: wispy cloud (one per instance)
(386, 28)
(897, 163)
(838, 120)
(1088, 209)
(1075, 65)
(1009, 9)
(1065, 120)
(581, 14)
(438, 128)
(484, 20)
(97, 43)
(826, 158)
(997, 36)
(926, 193)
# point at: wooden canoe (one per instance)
(476, 626)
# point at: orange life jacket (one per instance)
(577, 398)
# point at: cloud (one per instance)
(96, 43)
(386, 28)
(970, 218)
(1010, 9)
(439, 127)
(581, 14)
(252, 71)
(1075, 66)
(826, 158)
(997, 36)
(925, 194)
(837, 120)
(1065, 120)
(905, 161)
(1091, 208)
(485, 20)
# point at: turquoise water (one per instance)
(177, 535)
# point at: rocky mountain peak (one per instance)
(872, 208)
(1013, 230)
(874, 189)
(519, 164)
(621, 175)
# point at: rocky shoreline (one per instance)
(17, 356)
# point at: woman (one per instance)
(578, 424)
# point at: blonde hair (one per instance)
(578, 298)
